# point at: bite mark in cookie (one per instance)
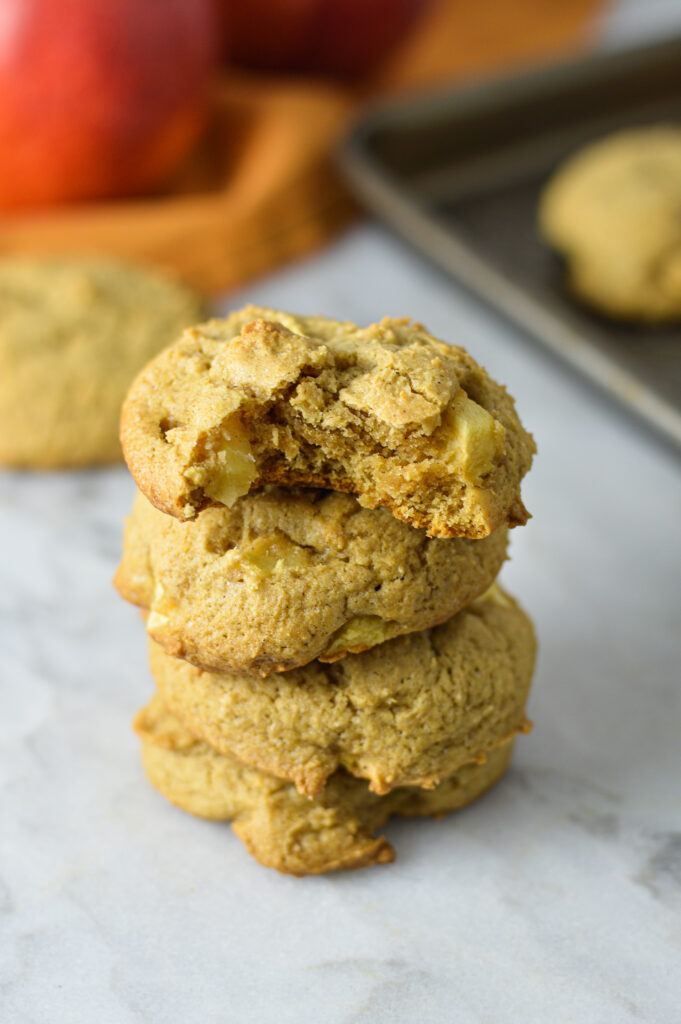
(387, 412)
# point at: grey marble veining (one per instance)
(556, 898)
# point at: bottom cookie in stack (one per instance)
(282, 829)
(308, 763)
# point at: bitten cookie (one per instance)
(281, 828)
(386, 412)
(614, 211)
(408, 712)
(284, 577)
(73, 334)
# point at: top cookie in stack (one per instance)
(386, 412)
(311, 490)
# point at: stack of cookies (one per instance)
(323, 511)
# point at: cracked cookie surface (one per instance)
(408, 712)
(386, 412)
(73, 334)
(281, 828)
(287, 576)
(613, 210)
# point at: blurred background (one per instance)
(209, 139)
(198, 134)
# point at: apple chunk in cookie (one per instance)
(223, 589)
(386, 412)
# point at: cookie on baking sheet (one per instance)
(286, 576)
(73, 334)
(386, 412)
(408, 712)
(613, 210)
(281, 828)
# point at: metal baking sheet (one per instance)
(458, 173)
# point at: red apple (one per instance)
(99, 97)
(345, 38)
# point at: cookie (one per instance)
(386, 412)
(406, 713)
(73, 334)
(281, 828)
(614, 211)
(286, 576)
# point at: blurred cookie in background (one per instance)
(613, 211)
(73, 334)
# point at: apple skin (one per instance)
(99, 98)
(339, 38)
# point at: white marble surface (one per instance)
(556, 898)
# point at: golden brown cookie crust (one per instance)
(284, 577)
(408, 712)
(386, 412)
(281, 828)
(73, 334)
(613, 209)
